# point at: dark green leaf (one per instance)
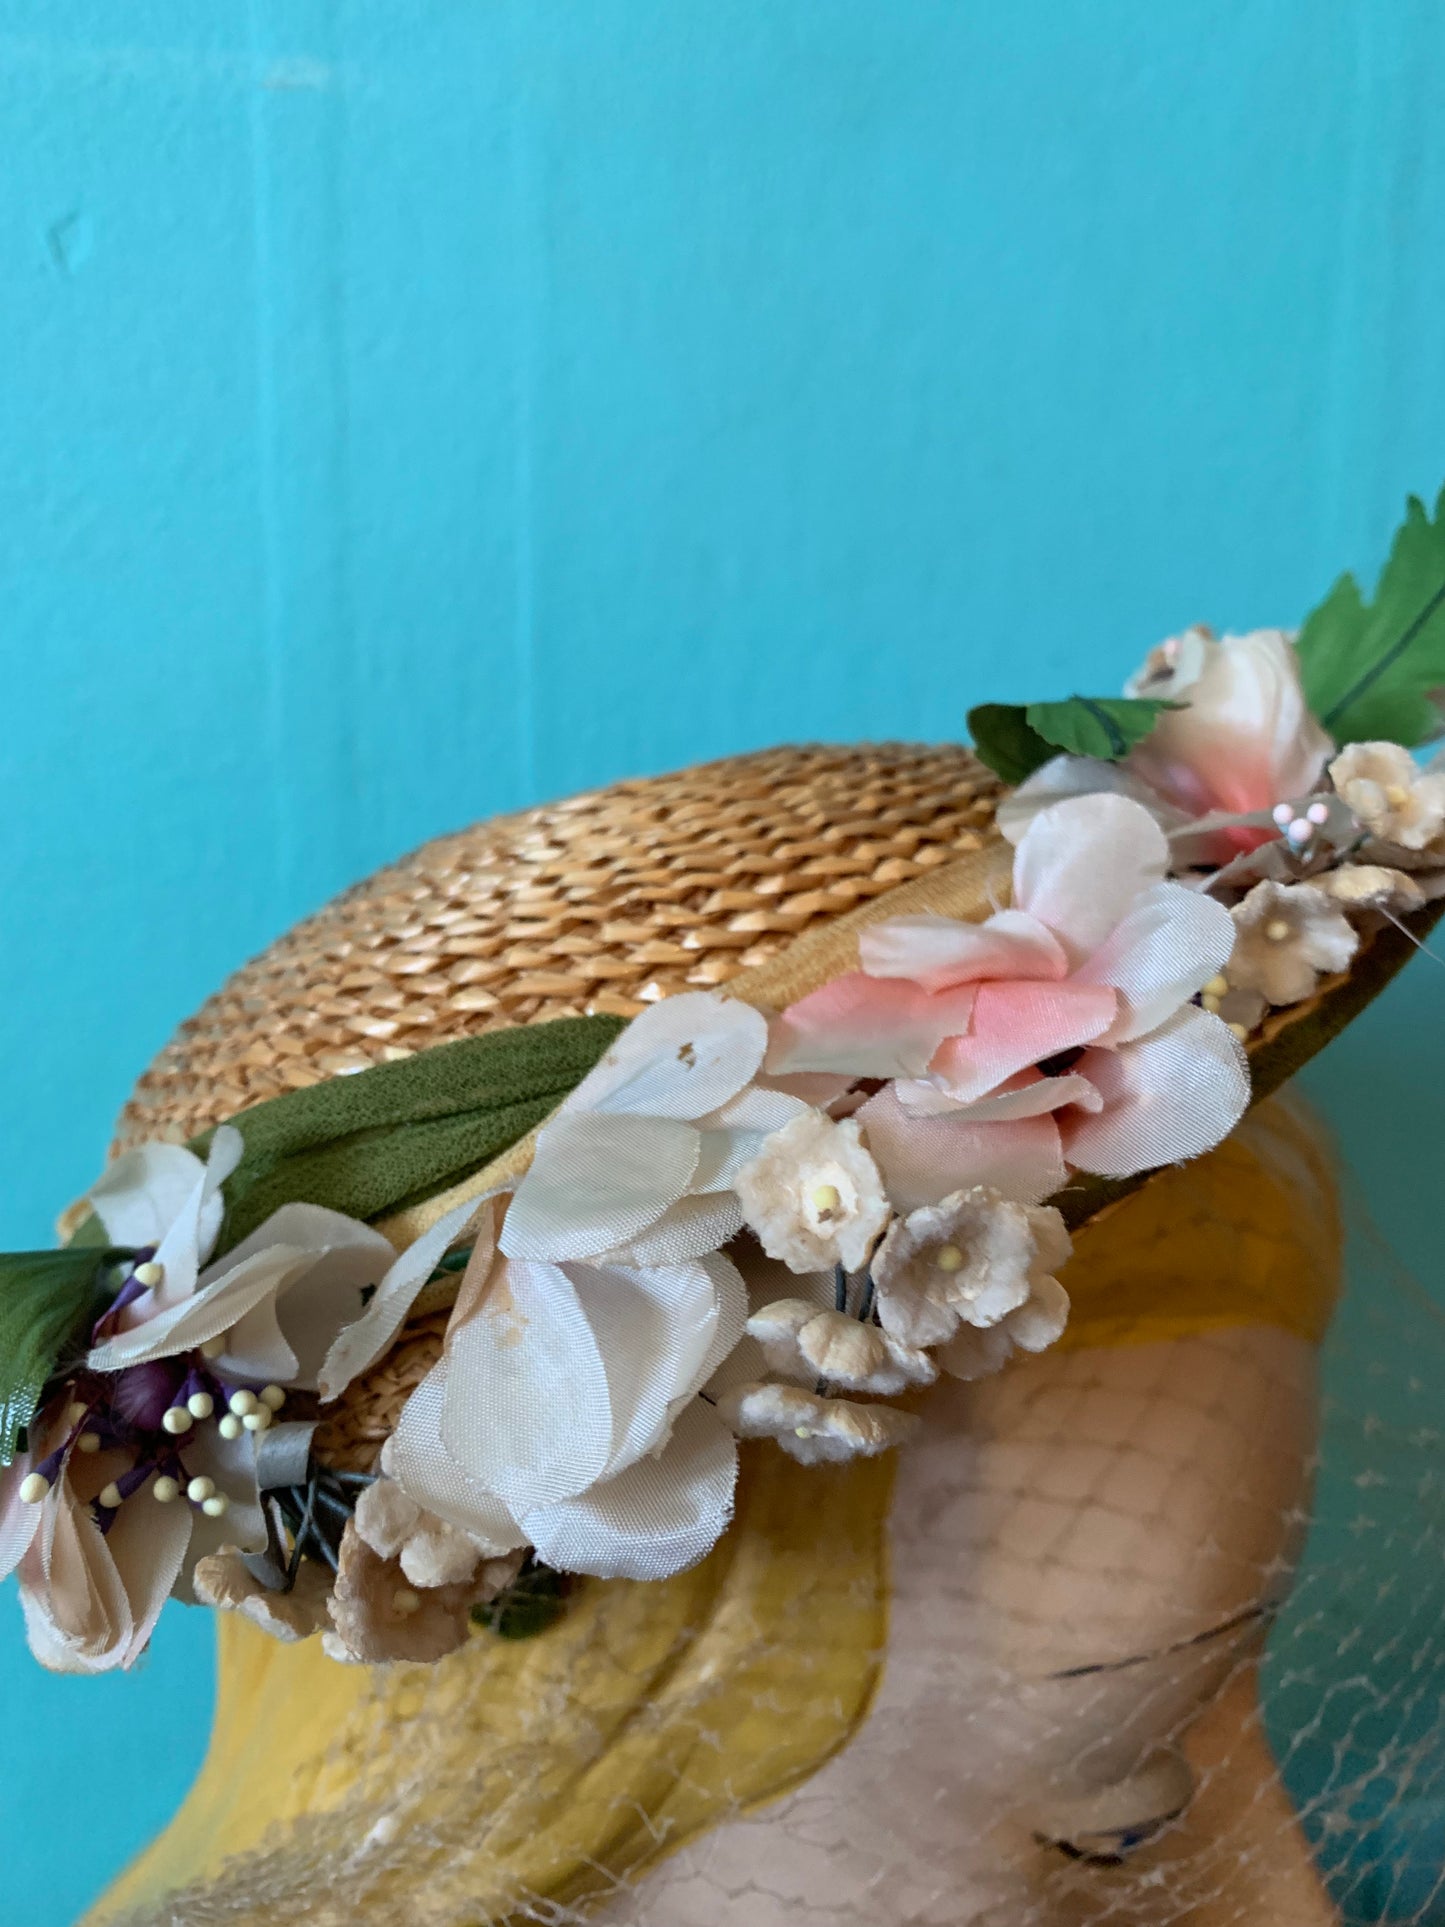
(1003, 739)
(1369, 668)
(1015, 739)
(1106, 727)
(48, 1299)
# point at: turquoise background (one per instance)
(410, 409)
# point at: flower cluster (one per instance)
(1309, 848)
(738, 1226)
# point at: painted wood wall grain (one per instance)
(412, 408)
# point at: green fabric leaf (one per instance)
(1015, 739)
(1105, 727)
(48, 1300)
(371, 1143)
(1369, 668)
(1003, 739)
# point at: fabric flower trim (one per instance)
(775, 1227)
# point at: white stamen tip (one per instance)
(1318, 812)
(200, 1405)
(230, 1427)
(1282, 814)
(243, 1403)
(166, 1489)
(88, 1442)
(150, 1274)
(199, 1490)
(274, 1397)
(217, 1507)
(213, 1348)
(112, 1497)
(1300, 831)
(259, 1420)
(34, 1487)
(405, 1601)
(178, 1421)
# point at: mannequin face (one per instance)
(1083, 1552)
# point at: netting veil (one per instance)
(1144, 1629)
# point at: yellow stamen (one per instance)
(1277, 931)
(825, 1198)
(949, 1258)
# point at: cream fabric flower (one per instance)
(1242, 741)
(144, 1462)
(563, 1412)
(801, 1342)
(1245, 739)
(811, 1429)
(813, 1195)
(976, 1259)
(1287, 934)
(1389, 793)
(638, 1164)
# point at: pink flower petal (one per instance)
(923, 1158)
(1168, 946)
(1167, 1097)
(1017, 1025)
(939, 952)
(868, 1027)
(1028, 1095)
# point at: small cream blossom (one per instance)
(813, 1195)
(1287, 934)
(975, 1352)
(222, 1579)
(1371, 886)
(812, 1429)
(1389, 793)
(429, 1550)
(380, 1616)
(801, 1342)
(974, 1259)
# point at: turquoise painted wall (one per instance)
(414, 408)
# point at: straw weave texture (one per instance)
(604, 902)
